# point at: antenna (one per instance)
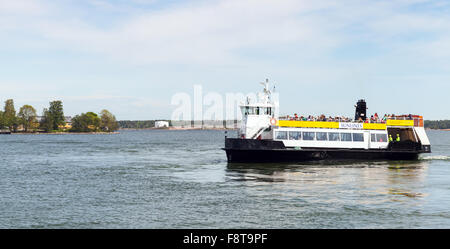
(266, 86)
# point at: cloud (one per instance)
(311, 42)
(216, 32)
(208, 32)
(22, 7)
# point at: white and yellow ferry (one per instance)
(265, 138)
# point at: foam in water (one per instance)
(438, 157)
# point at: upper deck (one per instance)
(403, 121)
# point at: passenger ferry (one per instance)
(263, 137)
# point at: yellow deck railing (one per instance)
(336, 125)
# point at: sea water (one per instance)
(181, 179)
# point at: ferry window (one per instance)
(282, 135)
(257, 110)
(295, 135)
(321, 136)
(358, 137)
(269, 111)
(381, 138)
(346, 137)
(309, 135)
(246, 110)
(373, 138)
(333, 136)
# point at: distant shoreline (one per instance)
(178, 129)
(63, 133)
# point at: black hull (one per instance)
(247, 151)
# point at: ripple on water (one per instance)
(165, 179)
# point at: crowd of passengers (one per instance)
(373, 119)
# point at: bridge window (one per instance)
(309, 135)
(295, 135)
(382, 138)
(321, 136)
(333, 136)
(281, 135)
(358, 137)
(347, 137)
(247, 110)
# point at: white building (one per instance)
(161, 124)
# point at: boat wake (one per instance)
(438, 157)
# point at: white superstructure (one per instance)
(259, 122)
(258, 115)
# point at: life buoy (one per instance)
(273, 121)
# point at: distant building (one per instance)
(161, 124)
(67, 121)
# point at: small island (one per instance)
(53, 121)
(438, 125)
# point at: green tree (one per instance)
(86, 122)
(56, 112)
(9, 115)
(108, 121)
(47, 121)
(27, 116)
(437, 124)
(2, 123)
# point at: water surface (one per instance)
(180, 179)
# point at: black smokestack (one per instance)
(361, 108)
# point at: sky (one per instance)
(132, 56)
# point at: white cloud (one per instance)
(297, 40)
(214, 32)
(204, 33)
(22, 7)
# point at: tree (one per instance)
(56, 112)
(437, 124)
(27, 116)
(86, 122)
(108, 121)
(9, 115)
(2, 123)
(47, 121)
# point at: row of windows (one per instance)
(257, 110)
(327, 136)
